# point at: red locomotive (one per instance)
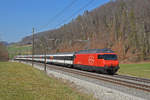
(99, 60)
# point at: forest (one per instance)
(122, 25)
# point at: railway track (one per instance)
(127, 81)
(144, 80)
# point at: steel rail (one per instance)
(144, 80)
(104, 78)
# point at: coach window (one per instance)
(100, 56)
(55, 57)
(71, 58)
(47, 57)
(59, 57)
(62, 58)
(68, 58)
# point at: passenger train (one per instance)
(98, 60)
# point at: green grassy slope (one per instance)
(140, 70)
(22, 82)
(16, 50)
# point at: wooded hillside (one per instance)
(122, 25)
(3, 52)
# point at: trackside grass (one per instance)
(139, 70)
(22, 82)
(18, 50)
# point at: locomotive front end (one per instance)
(109, 62)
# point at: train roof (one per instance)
(57, 54)
(106, 50)
(62, 54)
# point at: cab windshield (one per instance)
(108, 57)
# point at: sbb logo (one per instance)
(91, 60)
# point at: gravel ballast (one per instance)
(90, 87)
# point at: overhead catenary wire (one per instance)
(60, 13)
(85, 6)
(57, 15)
(54, 17)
